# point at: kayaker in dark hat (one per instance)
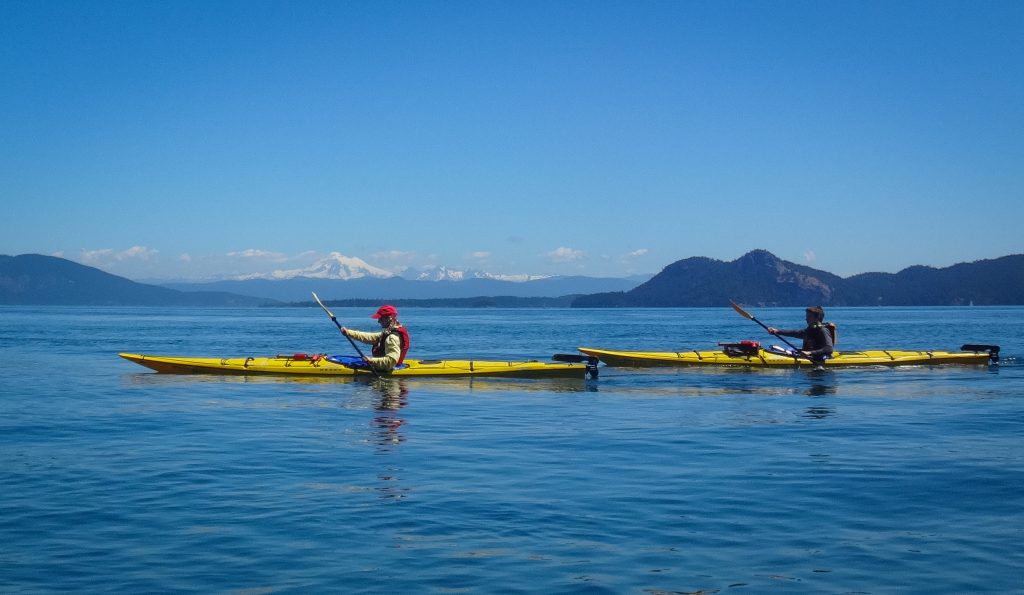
(389, 345)
(819, 337)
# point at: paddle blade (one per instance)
(317, 298)
(741, 311)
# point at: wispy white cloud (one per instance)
(96, 256)
(480, 255)
(108, 255)
(137, 252)
(563, 254)
(636, 253)
(810, 256)
(257, 254)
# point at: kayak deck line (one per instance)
(565, 365)
(970, 354)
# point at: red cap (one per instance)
(387, 310)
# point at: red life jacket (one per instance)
(382, 341)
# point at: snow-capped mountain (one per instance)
(443, 273)
(346, 268)
(334, 266)
(519, 278)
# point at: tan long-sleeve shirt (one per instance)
(392, 348)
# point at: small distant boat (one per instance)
(751, 354)
(321, 365)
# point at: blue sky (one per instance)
(192, 139)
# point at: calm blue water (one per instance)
(114, 478)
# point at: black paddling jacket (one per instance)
(817, 339)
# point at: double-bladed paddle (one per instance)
(338, 324)
(746, 314)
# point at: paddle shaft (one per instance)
(338, 324)
(781, 338)
(746, 314)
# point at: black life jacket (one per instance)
(379, 346)
(829, 327)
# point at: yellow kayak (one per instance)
(324, 366)
(757, 356)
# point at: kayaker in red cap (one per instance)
(389, 345)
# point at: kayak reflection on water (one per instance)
(394, 395)
(387, 435)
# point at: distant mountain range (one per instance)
(757, 278)
(760, 278)
(33, 279)
(395, 288)
(340, 277)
